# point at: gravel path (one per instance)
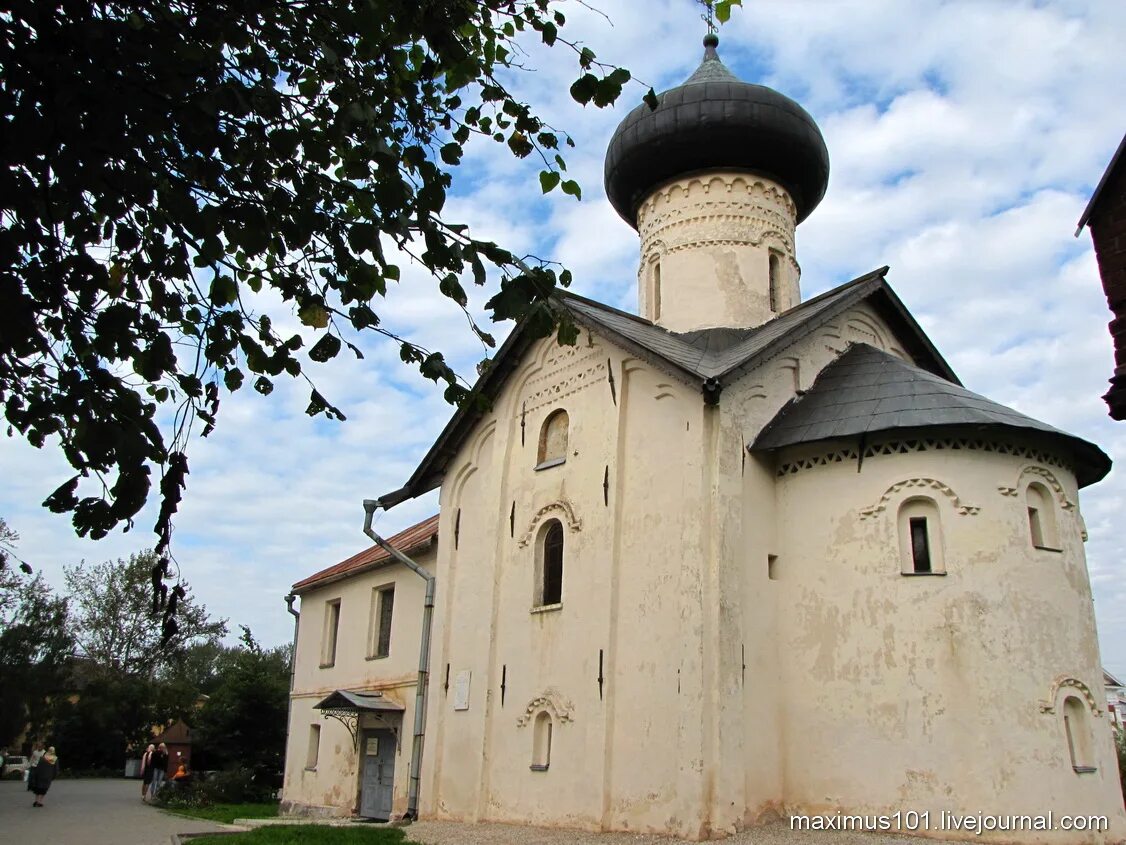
(779, 833)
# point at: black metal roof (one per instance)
(869, 391)
(714, 120)
(708, 358)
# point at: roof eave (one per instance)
(1093, 203)
(302, 587)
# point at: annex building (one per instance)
(738, 556)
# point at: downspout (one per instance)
(289, 600)
(370, 506)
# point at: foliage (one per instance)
(95, 727)
(1120, 745)
(222, 813)
(173, 169)
(310, 835)
(243, 722)
(8, 540)
(236, 786)
(35, 646)
(113, 621)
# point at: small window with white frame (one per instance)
(549, 566)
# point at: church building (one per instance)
(737, 557)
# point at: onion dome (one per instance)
(716, 121)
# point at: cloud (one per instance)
(965, 139)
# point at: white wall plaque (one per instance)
(372, 749)
(461, 690)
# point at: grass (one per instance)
(307, 835)
(227, 813)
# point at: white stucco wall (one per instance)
(332, 787)
(938, 685)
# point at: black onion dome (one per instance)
(715, 120)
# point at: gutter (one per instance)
(289, 600)
(370, 506)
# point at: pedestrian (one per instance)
(42, 775)
(146, 771)
(36, 753)
(159, 769)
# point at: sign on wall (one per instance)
(461, 690)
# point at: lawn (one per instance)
(308, 834)
(227, 813)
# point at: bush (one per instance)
(99, 772)
(239, 786)
(1120, 742)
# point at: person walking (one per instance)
(159, 769)
(43, 775)
(146, 771)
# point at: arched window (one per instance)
(1041, 517)
(553, 440)
(920, 538)
(1078, 734)
(775, 282)
(549, 565)
(541, 742)
(656, 291)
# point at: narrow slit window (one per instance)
(541, 742)
(384, 610)
(656, 291)
(314, 748)
(331, 629)
(1078, 734)
(772, 567)
(920, 544)
(920, 538)
(1042, 527)
(549, 565)
(775, 273)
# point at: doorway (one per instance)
(377, 780)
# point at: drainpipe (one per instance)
(423, 657)
(289, 600)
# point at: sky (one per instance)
(965, 139)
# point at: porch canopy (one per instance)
(343, 702)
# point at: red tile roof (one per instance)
(416, 538)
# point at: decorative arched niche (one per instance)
(553, 440)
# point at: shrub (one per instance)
(1120, 743)
(239, 786)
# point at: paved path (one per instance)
(89, 812)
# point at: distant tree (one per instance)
(243, 722)
(113, 622)
(35, 646)
(8, 540)
(102, 719)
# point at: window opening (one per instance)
(314, 747)
(775, 272)
(549, 565)
(541, 742)
(385, 608)
(656, 291)
(553, 440)
(1042, 527)
(1078, 734)
(772, 567)
(332, 626)
(920, 544)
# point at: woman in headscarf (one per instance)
(146, 771)
(43, 775)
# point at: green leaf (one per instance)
(583, 89)
(550, 33)
(224, 290)
(314, 315)
(451, 153)
(548, 180)
(650, 99)
(264, 386)
(619, 76)
(571, 188)
(586, 57)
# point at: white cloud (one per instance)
(965, 139)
